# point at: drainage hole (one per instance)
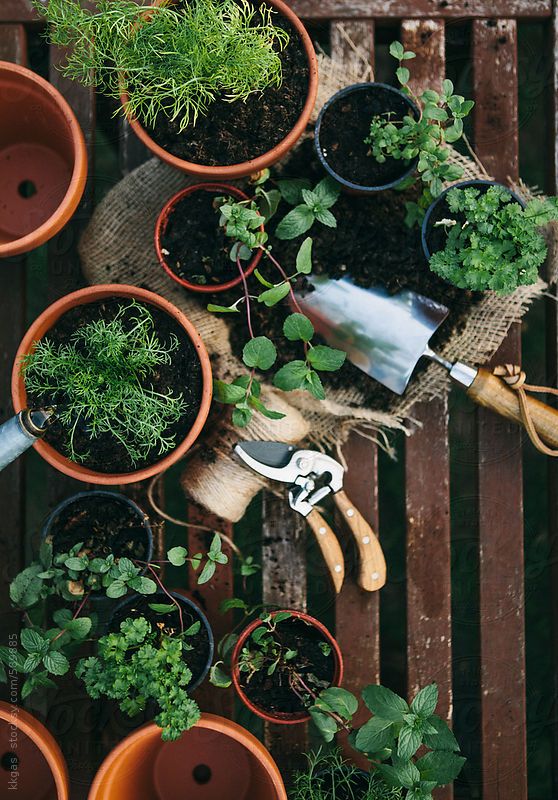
(9, 762)
(201, 774)
(27, 189)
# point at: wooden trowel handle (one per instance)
(372, 564)
(491, 392)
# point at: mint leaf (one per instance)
(162, 608)
(338, 700)
(374, 735)
(222, 309)
(273, 296)
(75, 564)
(408, 742)
(326, 359)
(297, 327)
(443, 739)
(177, 556)
(396, 50)
(295, 223)
(403, 75)
(327, 727)
(117, 589)
(267, 412)
(56, 663)
(227, 392)
(32, 641)
(326, 218)
(207, 572)
(143, 585)
(259, 352)
(304, 257)
(291, 190)
(218, 676)
(241, 417)
(426, 701)
(314, 385)
(440, 766)
(327, 191)
(384, 703)
(291, 376)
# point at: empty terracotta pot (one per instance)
(216, 759)
(40, 328)
(32, 766)
(43, 161)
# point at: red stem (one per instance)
(246, 297)
(169, 595)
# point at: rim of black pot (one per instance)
(435, 203)
(185, 601)
(121, 498)
(357, 87)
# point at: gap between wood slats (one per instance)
(429, 628)
(419, 9)
(502, 634)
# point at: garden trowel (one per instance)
(386, 335)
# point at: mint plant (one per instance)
(492, 242)
(440, 122)
(241, 221)
(100, 380)
(393, 735)
(143, 663)
(173, 60)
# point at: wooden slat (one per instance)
(284, 585)
(429, 630)
(132, 151)
(12, 323)
(17, 11)
(500, 518)
(419, 9)
(357, 612)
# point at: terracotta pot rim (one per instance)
(161, 224)
(74, 192)
(207, 721)
(45, 321)
(286, 718)
(359, 188)
(45, 742)
(242, 169)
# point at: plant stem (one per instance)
(247, 298)
(339, 720)
(169, 595)
(76, 614)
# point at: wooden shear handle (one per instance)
(372, 570)
(330, 547)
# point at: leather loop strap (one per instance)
(515, 378)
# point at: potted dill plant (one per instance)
(481, 236)
(372, 136)
(129, 378)
(328, 776)
(228, 94)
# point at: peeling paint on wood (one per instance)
(421, 9)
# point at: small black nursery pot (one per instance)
(434, 238)
(343, 125)
(200, 657)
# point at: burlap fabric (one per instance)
(118, 247)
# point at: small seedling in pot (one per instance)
(173, 60)
(491, 242)
(99, 381)
(241, 221)
(144, 663)
(440, 122)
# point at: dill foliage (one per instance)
(171, 60)
(99, 381)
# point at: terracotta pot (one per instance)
(272, 156)
(32, 766)
(216, 759)
(44, 323)
(43, 161)
(283, 718)
(162, 222)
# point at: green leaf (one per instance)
(12, 658)
(440, 766)
(326, 725)
(75, 564)
(241, 417)
(304, 257)
(216, 545)
(273, 296)
(26, 587)
(326, 359)
(32, 641)
(408, 742)
(326, 218)
(227, 392)
(259, 352)
(407, 773)
(313, 384)
(116, 589)
(327, 191)
(291, 190)
(56, 663)
(443, 739)
(295, 223)
(32, 662)
(143, 585)
(45, 554)
(262, 280)
(403, 75)
(434, 112)
(384, 703)
(297, 327)
(207, 572)
(223, 309)
(268, 203)
(177, 556)
(194, 629)
(340, 701)
(218, 676)
(447, 87)
(396, 50)
(374, 735)
(80, 627)
(291, 376)
(425, 701)
(269, 413)
(162, 608)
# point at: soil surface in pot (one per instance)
(272, 693)
(194, 245)
(182, 374)
(232, 133)
(346, 124)
(169, 624)
(104, 524)
(373, 245)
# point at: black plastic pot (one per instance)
(113, 496)
(368, 97)
(120, 613)
(436, 211)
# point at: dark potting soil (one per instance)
(344, 127)
(104, 525)
(231, 133)
(182, 374)
(375, 247)
(168, 624)
(195, 246)
(272, 693)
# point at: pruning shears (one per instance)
(311, 476)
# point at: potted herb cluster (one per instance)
(229, 93)
(129, 378)
(328, 776)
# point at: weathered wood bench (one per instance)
(28, 488)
